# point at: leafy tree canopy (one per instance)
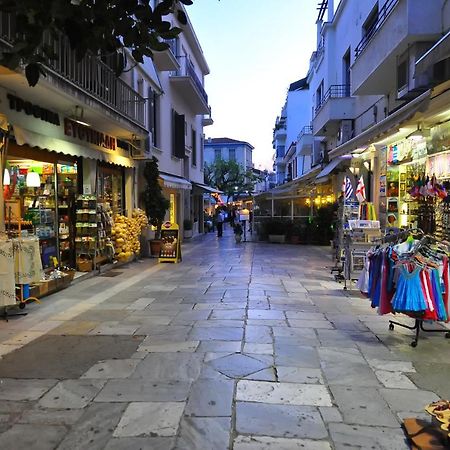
(102, 27)
(230, 177)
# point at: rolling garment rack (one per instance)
(424, 255)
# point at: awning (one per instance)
(364, 139)
(322, 177)
(33, 139)
(439, 52)
(174, 182)
(204, 188)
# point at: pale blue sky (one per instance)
(255, 49)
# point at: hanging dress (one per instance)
(408, 297)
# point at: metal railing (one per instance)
(90, 74)
(187, 70)
(334, 91)
(370, 32)
(307, 129)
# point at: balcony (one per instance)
(305, 141)
(334, 106)
(189, 86)
(166, 61)
(90, 76)
(399, 24)
(207, 119)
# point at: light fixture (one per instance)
(33, 179)
(6, 178)
(418, 134)
(78, 116)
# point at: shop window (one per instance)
(40, 200)
(110, 188)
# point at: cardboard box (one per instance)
(84, 265)
(34, 290)
(52, 286)
(43, 288)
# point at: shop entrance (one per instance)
(40, 196)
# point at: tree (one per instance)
(155, 203)
(101, 27)
(229, 177)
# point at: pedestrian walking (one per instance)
(220, 220)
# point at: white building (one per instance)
(229, 150)
(361, 74)
(178, 111)
(291, 159)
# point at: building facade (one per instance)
(376, 78)
(229, 150)
(83, 136)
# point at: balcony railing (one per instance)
(187, 70)
(370, 32)
(334, 91)
(308, 129)
(90, 74)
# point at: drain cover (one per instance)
(111, 274)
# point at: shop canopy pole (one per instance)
(272, 204)
(292, 209)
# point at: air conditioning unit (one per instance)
(345, 131)
(141, 148)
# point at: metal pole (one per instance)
(272, 204)
(292, 209)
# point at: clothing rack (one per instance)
(424, 240)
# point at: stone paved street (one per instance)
(243, 347)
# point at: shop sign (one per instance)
(30, 109)
(170, 243)
(87, 134)
(399, 152)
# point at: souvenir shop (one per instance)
(63, 183)
(407, 270)
(415, 182)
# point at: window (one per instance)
(319, 95)
(346, 81)
(232, 154)
(369, 26)
(280, 151)
(217, 154)
(194, 147)
(402, 75)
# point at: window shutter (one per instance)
(179, 143)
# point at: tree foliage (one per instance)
(230, 177)
(155, 204)
(101, 27)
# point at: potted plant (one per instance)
(276, 231)
(155, 204)
(187, 228)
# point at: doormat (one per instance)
(111, 274)
(424, 435)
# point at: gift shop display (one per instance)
(409, 274)
(126, 232)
